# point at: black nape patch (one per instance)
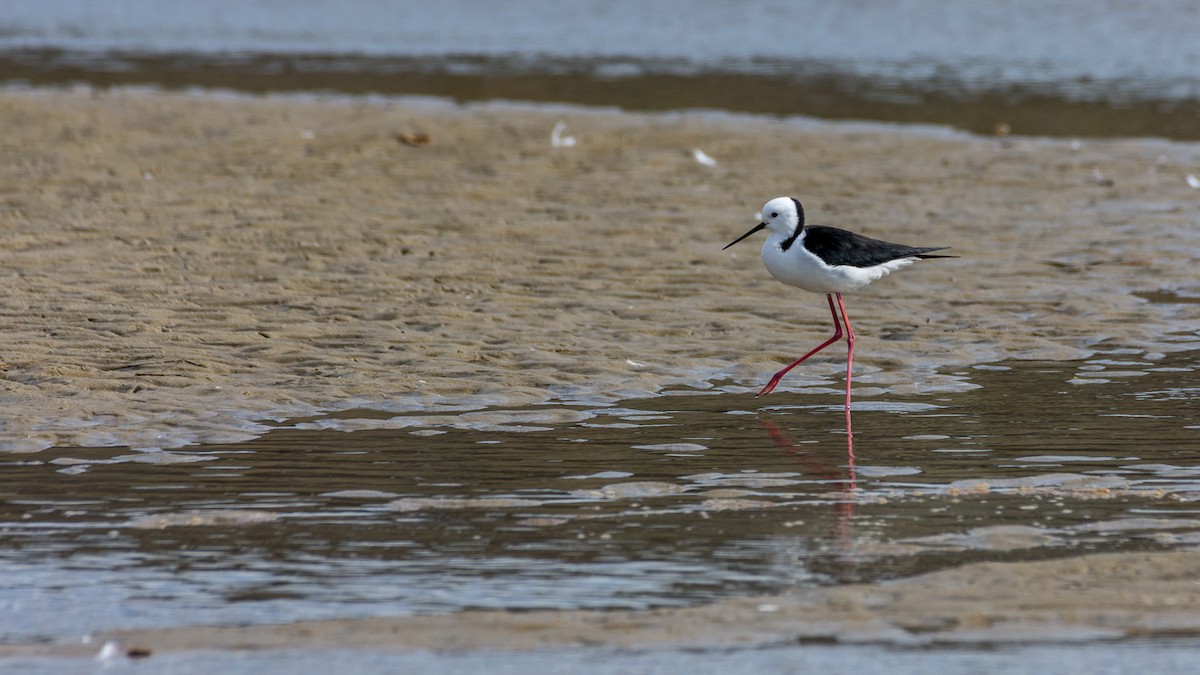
(787, 243)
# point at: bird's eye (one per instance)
(774, 214)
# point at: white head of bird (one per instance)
(782, 215)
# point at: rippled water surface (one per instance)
(668, 501)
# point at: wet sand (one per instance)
(182, 267)
(1088, 598)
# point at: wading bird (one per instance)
(829, 261)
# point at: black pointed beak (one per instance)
(754, 229)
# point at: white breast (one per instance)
(797, 267)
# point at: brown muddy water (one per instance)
(678, 500)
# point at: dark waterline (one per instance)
(1074, 109)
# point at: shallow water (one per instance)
(670, 501)
(1061, 68)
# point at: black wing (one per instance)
(840, 247)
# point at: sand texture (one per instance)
(178, 267)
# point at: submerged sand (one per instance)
(180, 267)
(1087, 598)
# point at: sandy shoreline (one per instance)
(180, 266)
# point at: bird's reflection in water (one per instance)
(844, 493)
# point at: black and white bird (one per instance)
(829, 261)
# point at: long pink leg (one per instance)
(849, 360)
(837, 335)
